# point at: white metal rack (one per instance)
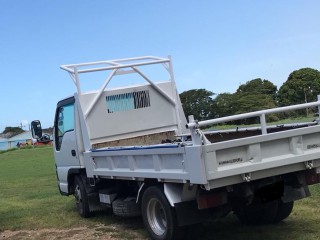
(166, 104)
(119, 67)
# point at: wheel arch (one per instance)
(144, 186)
(174, 192)
(72, 173)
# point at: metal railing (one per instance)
(194, 125)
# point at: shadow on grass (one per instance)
(228, 228)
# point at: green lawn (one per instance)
(30, 199)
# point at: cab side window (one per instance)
(64, 123)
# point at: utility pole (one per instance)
(305, 99)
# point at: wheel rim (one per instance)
(77, 194)
(156, 216)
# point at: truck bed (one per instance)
(213, 165)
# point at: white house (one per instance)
(25, 137)
(3, 143)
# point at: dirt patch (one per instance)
(98, 232)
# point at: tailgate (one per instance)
(261, 156)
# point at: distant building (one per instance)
(3, 143)
(22, 138)
(47, 131)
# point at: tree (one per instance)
(253, 102)
(198, 102)
(254, 95)
(15, 130)
(225, 104)
(302, 86)
(258, 86)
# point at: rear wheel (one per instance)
(284, 210)
(80, 195)
(158, 216)
(258, 213)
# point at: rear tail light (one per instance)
(313, 176)
(211, 199)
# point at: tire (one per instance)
(284, 210)
(126, 207)
(258, 213)
(80, 195)
(158, 216)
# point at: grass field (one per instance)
(29, 199)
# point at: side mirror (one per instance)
(36, 129)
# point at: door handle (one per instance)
(73, 153)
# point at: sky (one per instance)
(216, 45)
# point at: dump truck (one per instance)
(131, 149)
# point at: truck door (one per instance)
(65, 144)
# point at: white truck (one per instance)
(131, 149)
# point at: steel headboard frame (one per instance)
(120, 67)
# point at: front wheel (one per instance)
(158, 216)
(80, 195)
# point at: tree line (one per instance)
(302, 86)
(16, 130)
(11, 131)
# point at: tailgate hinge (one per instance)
(308, 164)
(246, 177)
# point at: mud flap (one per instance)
(188, 213)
